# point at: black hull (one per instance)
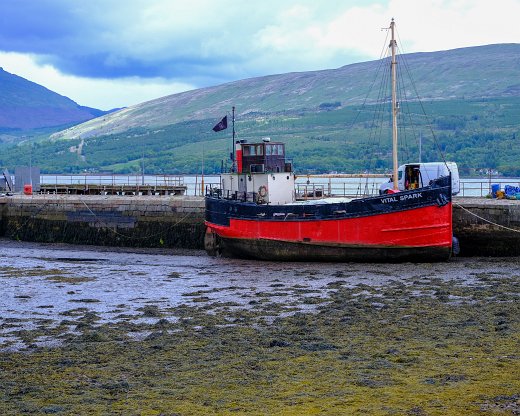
(289, 251)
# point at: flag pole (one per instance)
(202, 179)
(233, 165)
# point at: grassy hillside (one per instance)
(476, 134)
(472, 109)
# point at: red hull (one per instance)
(421, 233)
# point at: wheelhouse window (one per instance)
(274, 150)
(271, 156)
(249, 151)
(253, 150)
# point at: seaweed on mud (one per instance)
(75, 280)
(74, 312)
(502, 404)
(421, 354)
(151, 311)
(15, 272)
(84, 300)
(201, 292)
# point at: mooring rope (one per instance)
(99, 221)
(486, 220)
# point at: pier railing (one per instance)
(109, 179)
(100, 184)
(482, 188)
(311, 186)
(192, 185)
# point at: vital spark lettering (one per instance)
(392, 199)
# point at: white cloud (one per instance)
(211, 41)
(431, 25)
(423, 25)
(303, 38)
(355, 29)
(104, 94)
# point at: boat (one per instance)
(254, 213)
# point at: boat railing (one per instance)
(310, 191)
(339, 187)
(351, 187)
(216, 192)
(317, 186)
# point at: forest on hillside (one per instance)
(477, 134)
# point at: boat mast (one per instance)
(395, 107)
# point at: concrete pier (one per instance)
(484, 227)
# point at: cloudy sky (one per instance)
(115, 53)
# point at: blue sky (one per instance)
(114, 53)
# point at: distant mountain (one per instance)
(25, 105)
(471, 97)
(467, 73)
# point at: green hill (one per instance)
(471, 96)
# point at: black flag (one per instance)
(221, 125)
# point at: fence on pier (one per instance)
(339, 185)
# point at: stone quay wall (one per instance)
(129, 221)
(487, 227)
(484, 227)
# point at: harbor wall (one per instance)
(487, 227)
(484, 227)
(128, 221)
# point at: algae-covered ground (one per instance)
(190, 335)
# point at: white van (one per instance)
(417, 175)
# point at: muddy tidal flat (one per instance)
(100, 331)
